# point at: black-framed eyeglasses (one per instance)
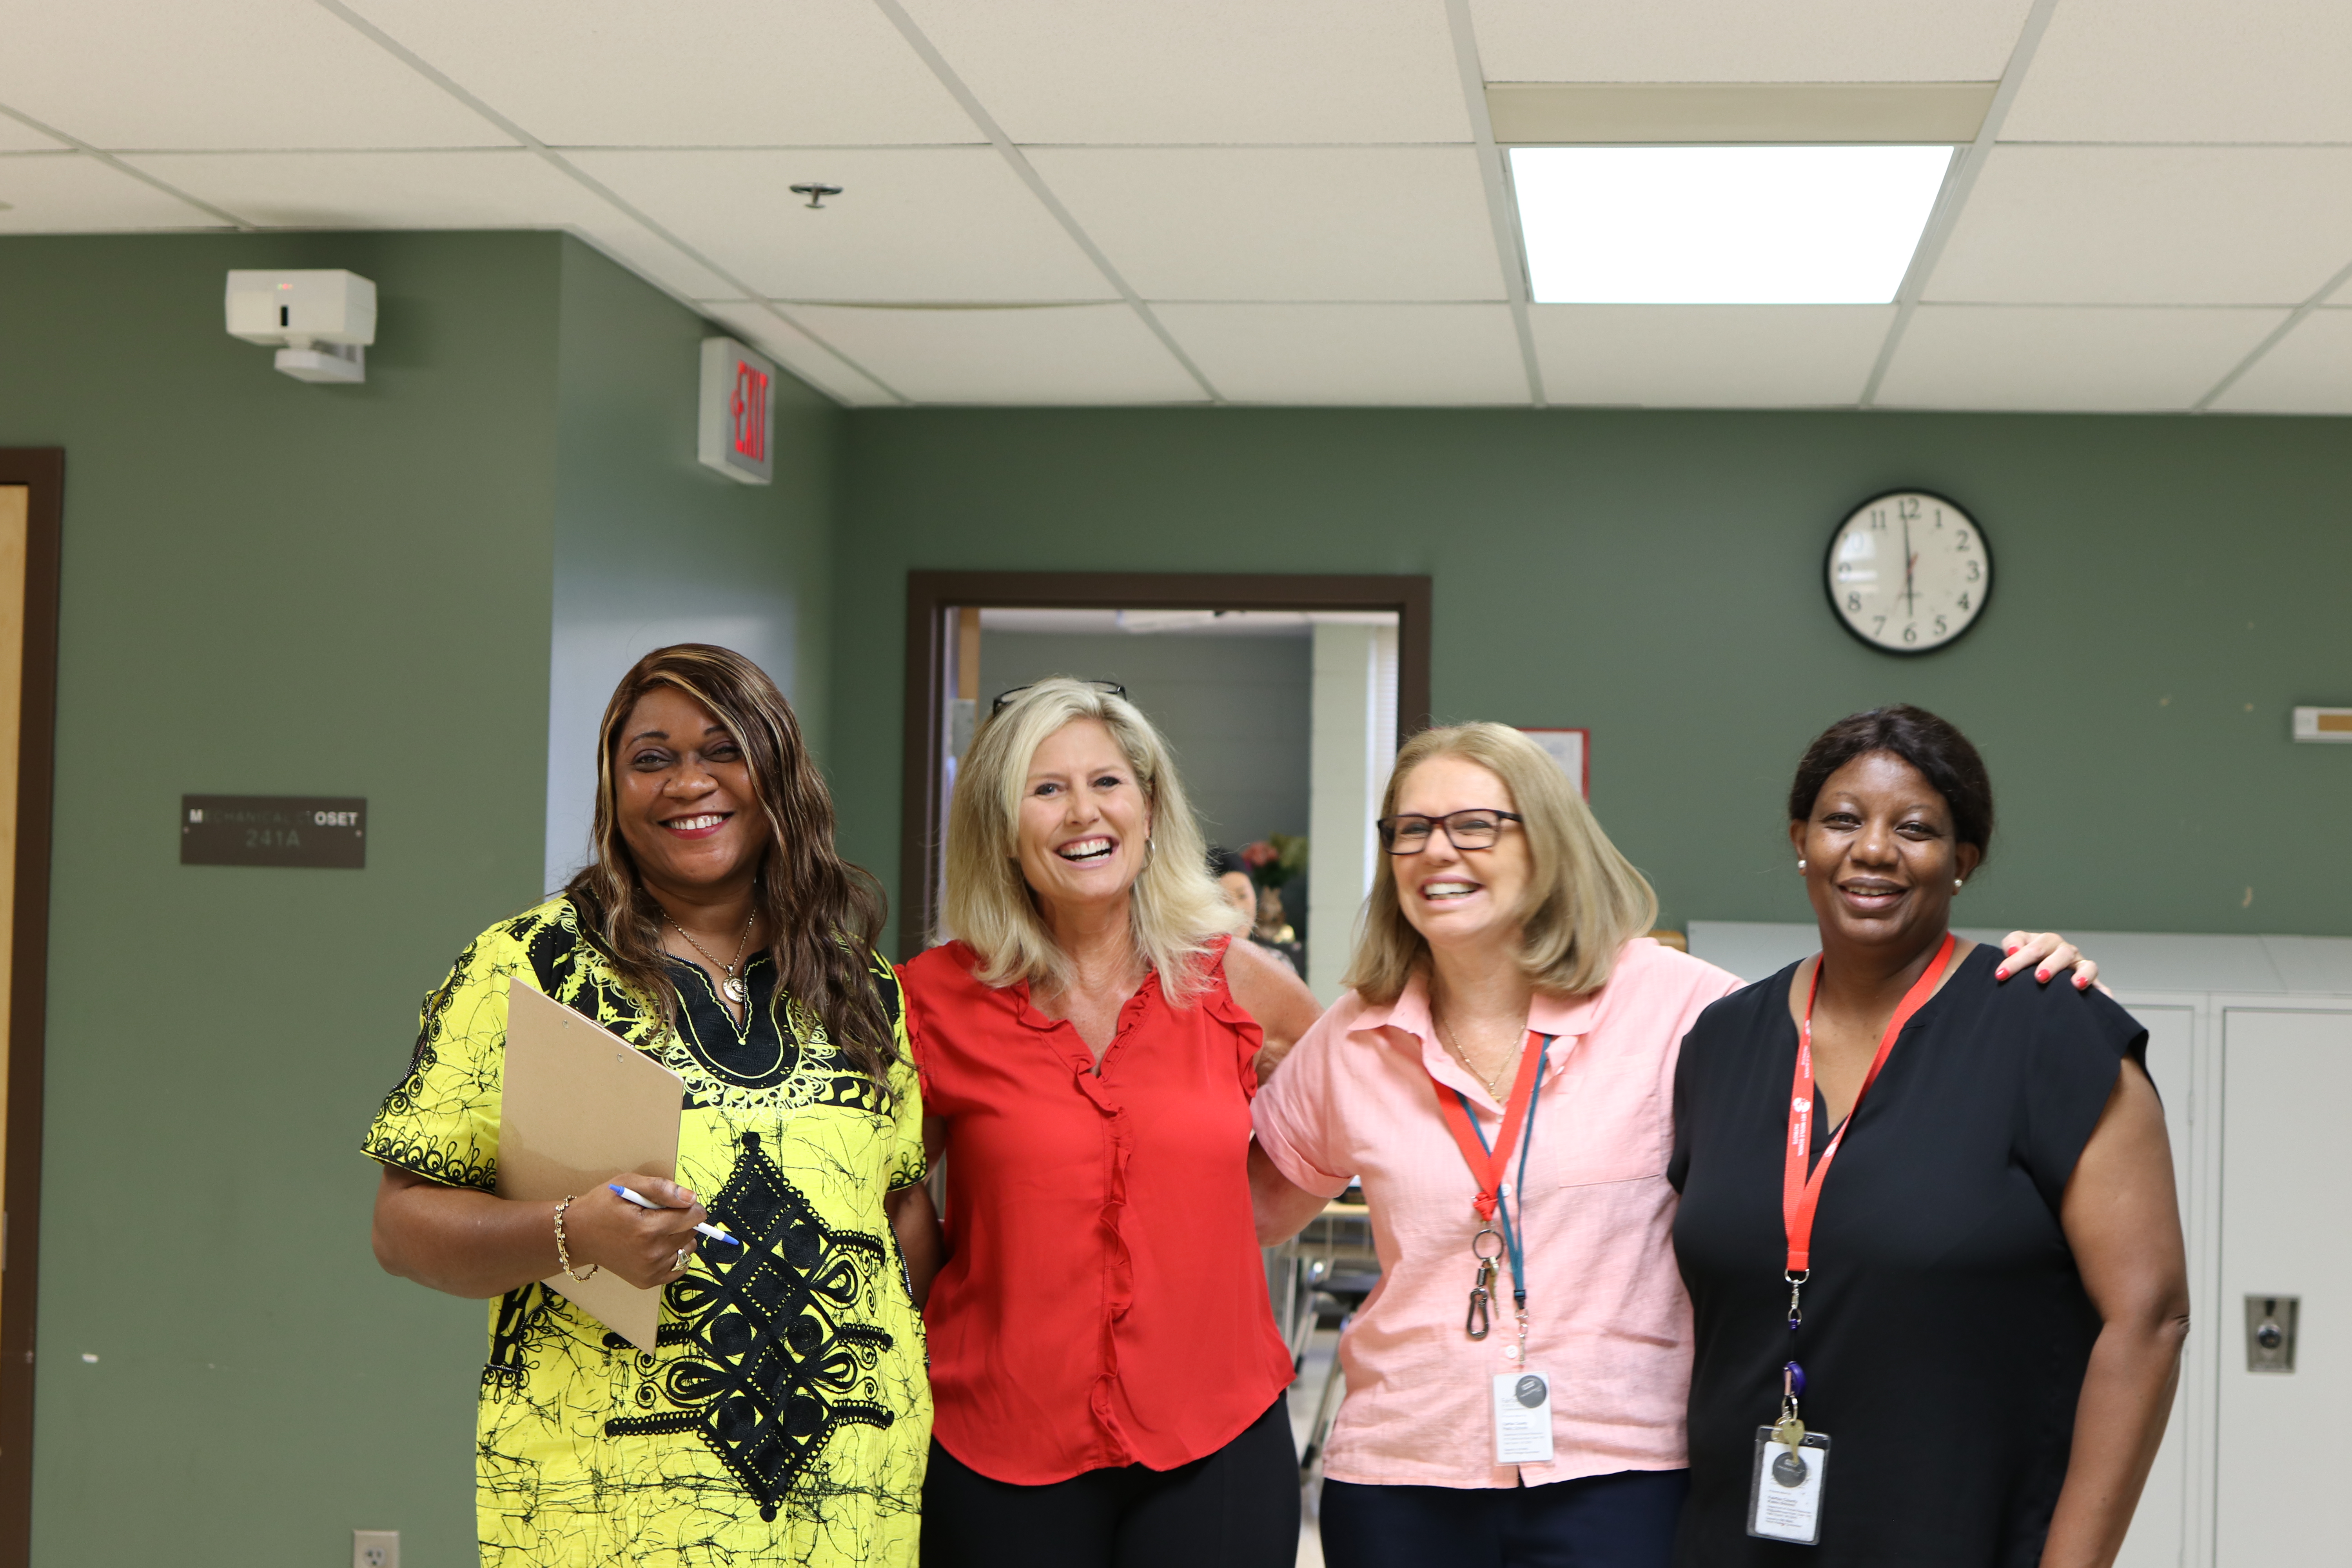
(1477, 828)
(1005, 699)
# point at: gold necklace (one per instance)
(732, 986)
(1494, 1085)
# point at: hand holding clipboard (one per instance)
(579, 1108)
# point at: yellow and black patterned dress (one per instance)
(786, 1416)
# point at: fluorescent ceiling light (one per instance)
(1723, 226)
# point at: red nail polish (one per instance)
(2009, 952)
(2041, 974)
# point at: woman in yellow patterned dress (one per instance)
(785, 1418)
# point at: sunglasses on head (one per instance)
(1005, 699)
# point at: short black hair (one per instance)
(1941, 753)
(1222, 860)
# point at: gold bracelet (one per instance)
(563, 1253)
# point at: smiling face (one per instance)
(683, 798)
(1461, 898)
(1084, 819)
(1879, 852)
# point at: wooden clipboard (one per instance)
(580, 1103)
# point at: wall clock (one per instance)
(1907, 572)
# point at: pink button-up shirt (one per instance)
(1607, 1316)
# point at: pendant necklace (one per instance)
(1494, 1084)
(732, 986)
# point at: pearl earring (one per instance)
(1957, 884)
(1800, 868)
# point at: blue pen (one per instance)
(712, 1231)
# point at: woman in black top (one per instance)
(1994, 1294)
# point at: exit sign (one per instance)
(737, 422)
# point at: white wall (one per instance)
(1354, 742)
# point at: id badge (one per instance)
(1784, 1500)
(1522, 1418)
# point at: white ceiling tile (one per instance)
(1207, 71)
(1340, 354)
(646, 253)
(1709, 356)
(19, 138)
(66, 193)
(2035, 358)
(2193, 225)
(1739, 40)
(487, 189)
(794, 349)
(676, 73)
(221, 73)
(1281, 223)
(949, 224)
(1045, 355)
(2309, 371)
(2250, 70)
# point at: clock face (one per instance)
(1909, 572)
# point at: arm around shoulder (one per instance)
(1270, 991)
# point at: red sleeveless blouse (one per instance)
(1104, 1302)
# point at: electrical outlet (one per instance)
(375, 1549)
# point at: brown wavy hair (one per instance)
(824, 914)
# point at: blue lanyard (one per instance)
(1513, 1233)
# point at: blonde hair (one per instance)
(1584, 900)
(1175, 911)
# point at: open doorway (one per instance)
(1283, 699)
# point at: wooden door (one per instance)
(31, 487)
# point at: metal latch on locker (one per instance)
(2270, 1332)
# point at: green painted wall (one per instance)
(269, 588)
(653, 548)
(274, 588)
(2167, 589)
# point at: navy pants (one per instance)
(1237, 1508)
(1622, 1521)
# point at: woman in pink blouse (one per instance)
(1500, 1079)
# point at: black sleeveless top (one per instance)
(1946, 1329)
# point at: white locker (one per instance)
(2283, 1448)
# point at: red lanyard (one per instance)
(1801, 1196)
(1489, 1167)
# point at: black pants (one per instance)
(1237, 1508)
(1624, 1521)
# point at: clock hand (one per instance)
(1910, 559)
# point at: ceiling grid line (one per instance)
(562, 166)
(2277, 335)
(101, 155)
(1026, 172)
(1945, 216)
(1501, 211)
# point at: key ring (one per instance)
(1482, 1235)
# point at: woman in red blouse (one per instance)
(1108, 1379)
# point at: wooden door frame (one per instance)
(930, 594)
(43, 471)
